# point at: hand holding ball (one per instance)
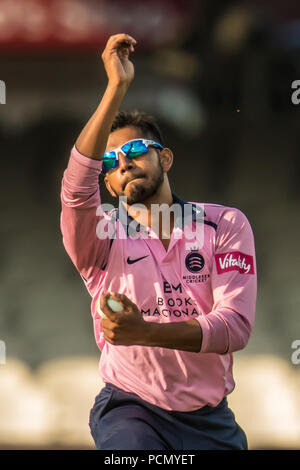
(113, 304)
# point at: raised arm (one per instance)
(80, 195)
(120, 72)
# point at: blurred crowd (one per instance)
(48, 408)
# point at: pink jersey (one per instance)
(213, 282)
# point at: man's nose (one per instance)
(125, 163)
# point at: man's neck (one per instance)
(155, 213)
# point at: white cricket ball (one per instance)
(114, 305)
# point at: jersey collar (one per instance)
(188, 211)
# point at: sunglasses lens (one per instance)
(109, 161)
(134, 149)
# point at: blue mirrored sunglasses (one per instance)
(131, 149)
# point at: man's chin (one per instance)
(136, 192)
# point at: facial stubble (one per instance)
(138, 192)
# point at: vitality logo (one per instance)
(234, 261)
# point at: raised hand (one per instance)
(119, 69)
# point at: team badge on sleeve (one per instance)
(234, 261)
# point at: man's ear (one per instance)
(109, 188)
(166, 159)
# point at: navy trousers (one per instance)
(123, 421)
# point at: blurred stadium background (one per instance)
(218, 76)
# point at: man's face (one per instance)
(139, 178)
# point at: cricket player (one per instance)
(184, 279)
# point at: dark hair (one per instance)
(140, 119)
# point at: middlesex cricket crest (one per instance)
(194, 262)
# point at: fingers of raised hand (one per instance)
(119, 41)
(121, 38)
